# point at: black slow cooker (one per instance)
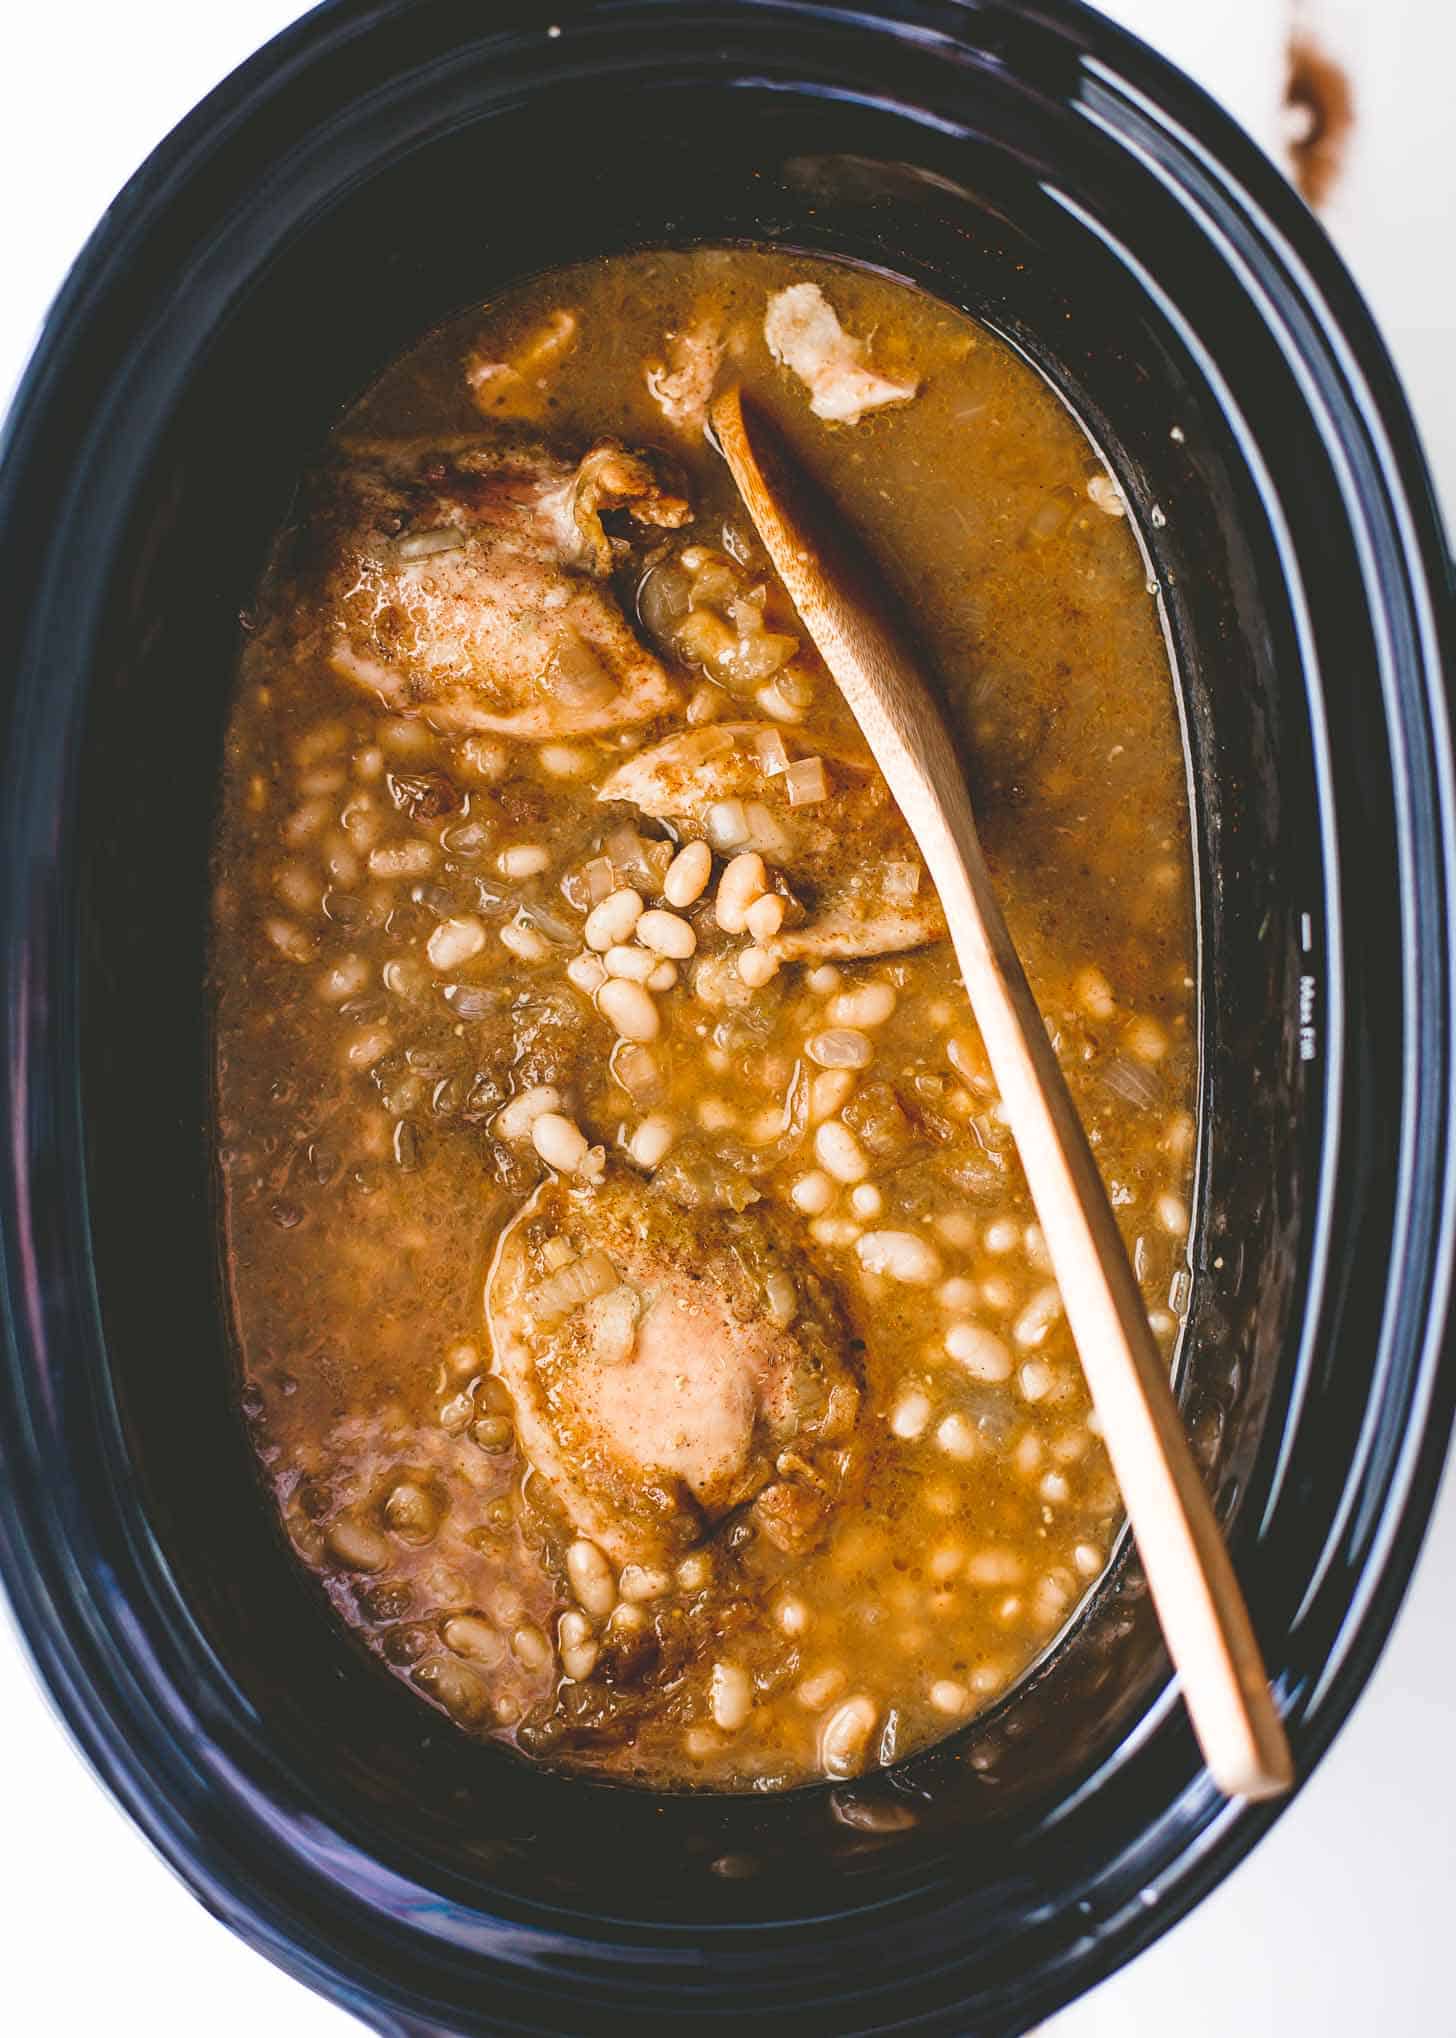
(371, 171)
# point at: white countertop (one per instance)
(1337, 1923)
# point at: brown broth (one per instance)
(359, 1085)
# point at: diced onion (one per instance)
(773, 752)
(570, 1286)
(599, 878)
(1130, 1081)
(902, 880)
(727, 824)
(765, 833)
(421, 544)
(749, 661)
(615, 1327)
(806, 782)
(636, 1068)
(549, 924)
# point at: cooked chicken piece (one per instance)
(517, 386)
(468, 582)
(804, 333)
(657, 1387)
(846, 852)
(681, 385)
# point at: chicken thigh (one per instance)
(669, 1367)
(847, 854)
(469, 581)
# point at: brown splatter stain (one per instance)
(1320, 108)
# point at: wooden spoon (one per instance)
(1204, 1619)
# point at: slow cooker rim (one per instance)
(310, 41)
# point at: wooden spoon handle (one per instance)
(1204, 1619)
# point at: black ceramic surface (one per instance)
(373, 170)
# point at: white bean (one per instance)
(468, 1635)
(949, 1697)
(902, 1255)
(405, 736)
(993, 1567)
(1036, 1319)
(560, 1143)
(1172, 1214)
(829, 1092)
(980, 1351)
(837, 1231)
(514, 1120)
(345, 978)
(820, 1689)
(838, 1151)
(844, 1737)
(566, 760)
(403, 859)
(524, 941)
(1034, 1380)
(588, 972)
(306, 821)
(743, 880)
(839, 1047)
(910, 1417)
(688, 874)
(613, 920)
(649, 1144)
(591, 1578)
(666, 934)
(792, 1615)
(958, 1437)
(695, 1572)
(730, 1696)
(664, 977)
(578, 1646)
(357, 1546)
(455, 941)
(290, 940)
(765, 917)
(640, 1582)
(1094, 994)
(812, 1193)
(486, 758)
(298, 887)
(756, 966)
(530, 1648)
(635, 964)
(366, 1047)
(865, 1005)
(1147, 1040)
(629, 1008)
(523, 859)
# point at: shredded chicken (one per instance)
(656, 1408)
(681, 385)
(803, 332)
(516, 387)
